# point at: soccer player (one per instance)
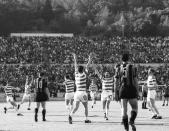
(41, 95)
(127, 91)
(27, 94)
(9, 98)
(93, 89)
(144, 95)
(166, 94)
(152, 85)
(70, 86)
(107, 91)
(80, 94)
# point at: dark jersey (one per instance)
(40, 86)
(127, 76)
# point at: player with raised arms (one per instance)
(93, 88)
(81, 88)
(107, 91)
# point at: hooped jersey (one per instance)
(70, 85)
(151, 81)
(8, 91)
(93, 87)
(107, 84)
(81, 81)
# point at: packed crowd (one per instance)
(20, 56)
(58, 50)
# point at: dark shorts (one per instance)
(128, 92)
(144, 94)
(166, 95)
(40, 97)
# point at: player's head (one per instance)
(106, 74)
(67, 76)
(80, 69)
(151, 71)
(125, 57)
(41, 74)
(117, 66)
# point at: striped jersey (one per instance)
(107, 84)
(69, 84)
(80, 80)
(151, 81)
(93, 87)
(8, 91)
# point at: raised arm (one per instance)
(97, 72)
(26, 80)
(89, 61)
(32, 80)
(75, 61)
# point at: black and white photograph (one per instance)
(84, 65)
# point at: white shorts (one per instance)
(69, 96)
(26, 96)
(92, 94)
(81, 96)
(9, 99)
(106, 95)
(151, 94)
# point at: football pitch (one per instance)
(57, 119)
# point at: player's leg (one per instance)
(145, 103)
(134, 105)
(157, 114)
(29, 101)
(36, 111)
(107, 108)
(75, 108)
(124, 114)
(43, 104)
(167, 100)
(92, 97)
(23, 100)
(71, 104)
(104, 107)
(67, 101)
(85, 104)
(164, 101)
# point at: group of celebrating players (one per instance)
(123, 85)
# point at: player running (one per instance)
(9, 98)
(41, 95)
(127, 91)
(80, 94)
(107, 91)
(27, 94)
(152, 85)
(70, 86)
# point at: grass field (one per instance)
(57, 119)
